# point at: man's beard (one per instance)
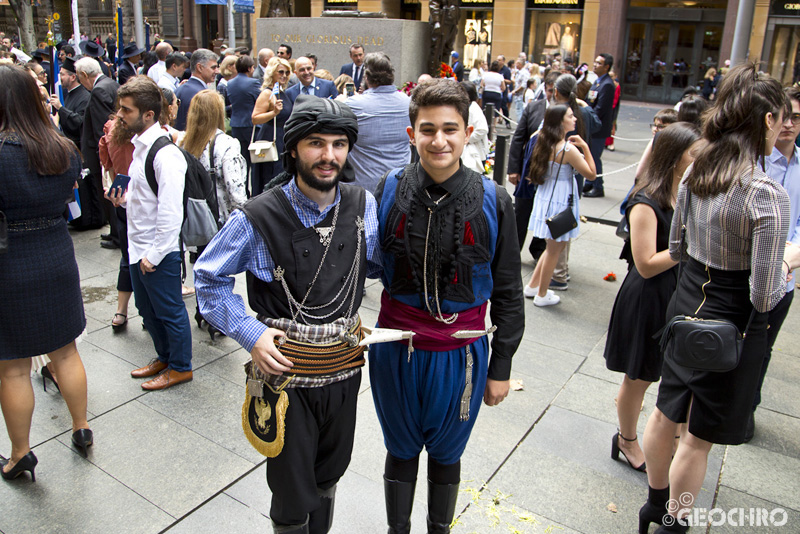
(135, 127)
(307, 175)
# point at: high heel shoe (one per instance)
(615, 450)
(118, 327)
(26, 463)
(83, 439)
(654, 509)
(47, 375)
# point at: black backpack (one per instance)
(200, 206)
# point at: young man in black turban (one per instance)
(307, 247)
(450, 246)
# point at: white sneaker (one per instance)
(529, 291)
(550, 299)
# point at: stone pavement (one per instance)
(177, 460)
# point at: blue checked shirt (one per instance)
(238, 247)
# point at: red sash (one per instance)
(430, 334)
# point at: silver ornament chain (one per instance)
(438, 315)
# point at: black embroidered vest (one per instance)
(298, 251)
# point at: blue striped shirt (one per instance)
(238, 247)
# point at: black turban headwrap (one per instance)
(311, 115)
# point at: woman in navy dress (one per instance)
(42, 310)
(272, 110)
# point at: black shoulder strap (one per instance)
(149, 168)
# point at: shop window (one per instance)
(553, 33)
(784, 61)
(475, 37)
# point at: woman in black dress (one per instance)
(641, 305)
(735, 264)
(42, 307)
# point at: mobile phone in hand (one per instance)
(121, 183)
(350, 89)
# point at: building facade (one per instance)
(659, 46)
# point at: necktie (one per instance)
(305, 89)
(356, 77)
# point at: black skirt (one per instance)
(638, 314)
(721, 403)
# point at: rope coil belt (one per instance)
(313, 359)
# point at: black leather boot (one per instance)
(399, 502)
(290, 529)
(321, 519)
(654, 509)
(441, 507)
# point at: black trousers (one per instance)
(320, 424)
(775, 320)
(522, 214)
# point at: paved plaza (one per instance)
(177, 460)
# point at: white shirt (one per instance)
(168, 81)
(157, 71)
(154, 223)
(492, 82)
(478, 147)
(311, 88)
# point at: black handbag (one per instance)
(561, 223)
(701, 344)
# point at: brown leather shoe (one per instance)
(151, 369)
(167, 379)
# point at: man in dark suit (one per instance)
(76, 98)
(94, 50)
(132, 54)
(458, 67)
(529, 123)
(601, 98)
(355, 69)
(204, 69)
(309, 84)
(100, 107)
(264, 55)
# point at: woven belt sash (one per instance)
(312, 359)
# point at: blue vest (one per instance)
(470, 281)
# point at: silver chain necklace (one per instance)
(300, 309)
(438, 315)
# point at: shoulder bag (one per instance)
(562, 222)
(264, 151)
(702, 344)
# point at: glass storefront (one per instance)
(782, 42)
(553, 28)
(784, 60)
(663, 57)
(474, 40)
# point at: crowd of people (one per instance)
(318, 183)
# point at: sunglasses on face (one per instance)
(284, 72)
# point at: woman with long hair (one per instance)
(205, 122)
(641, 305)
(554, 161)
(116, 154)
(271, 111)
(42, 310)
(735, 264)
